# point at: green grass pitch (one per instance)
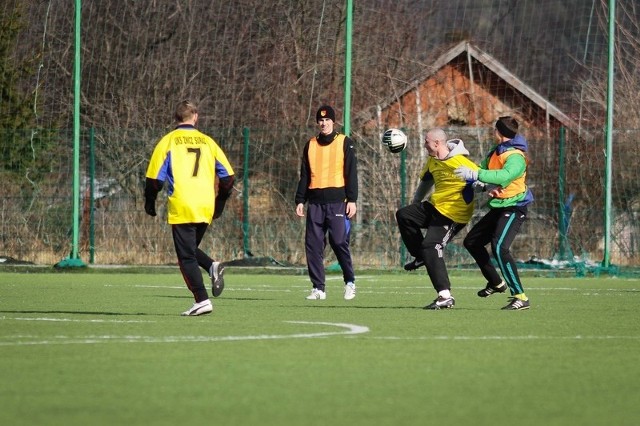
(111, 349)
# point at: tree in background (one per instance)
(15, 112)
(24, 148)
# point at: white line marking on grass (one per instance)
(259, 288)
(391, 288)
(69, 320)
(508, 338)
(351, 329)
(264, 290)
(340, 278)
(384, 288)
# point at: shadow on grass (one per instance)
(419, 308)
(75, 313)
(213, 299)
(356, 307)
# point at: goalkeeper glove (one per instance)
(151, 188)
(150, 206)
(465, 173)
(220, 203)
(225, 186)
(479, 186)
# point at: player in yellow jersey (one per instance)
(443, 214)
(187, 161)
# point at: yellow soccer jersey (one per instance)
(188, 161)
(451, 196)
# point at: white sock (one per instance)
(446, 294)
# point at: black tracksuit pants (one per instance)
(498, 227)
(186, 239)
(430, 247)
(327, 221)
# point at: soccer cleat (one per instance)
(441, 303)
(317, 295)
(414, 264)
(516, 304)
(349, 291)
(489, 289)
(216, 272)
(199, 308)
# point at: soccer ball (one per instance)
(394, 140)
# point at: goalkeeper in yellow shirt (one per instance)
(187, 161)
(444, 214)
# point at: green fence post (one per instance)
(245, 195)
(74, 258)
(562, 217)
(403, 196)
(347, 68)
(92, 177)
(606, 258)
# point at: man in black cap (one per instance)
(329, 185)
(505, 171)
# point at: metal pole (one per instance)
(347, 68)
(92, 195)
(609, 135)
(76, 133)
(403, 197)
(562, 217)
(74, 260)
(245, 195)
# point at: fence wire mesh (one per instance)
(260, 223)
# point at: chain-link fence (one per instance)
(566, 221)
